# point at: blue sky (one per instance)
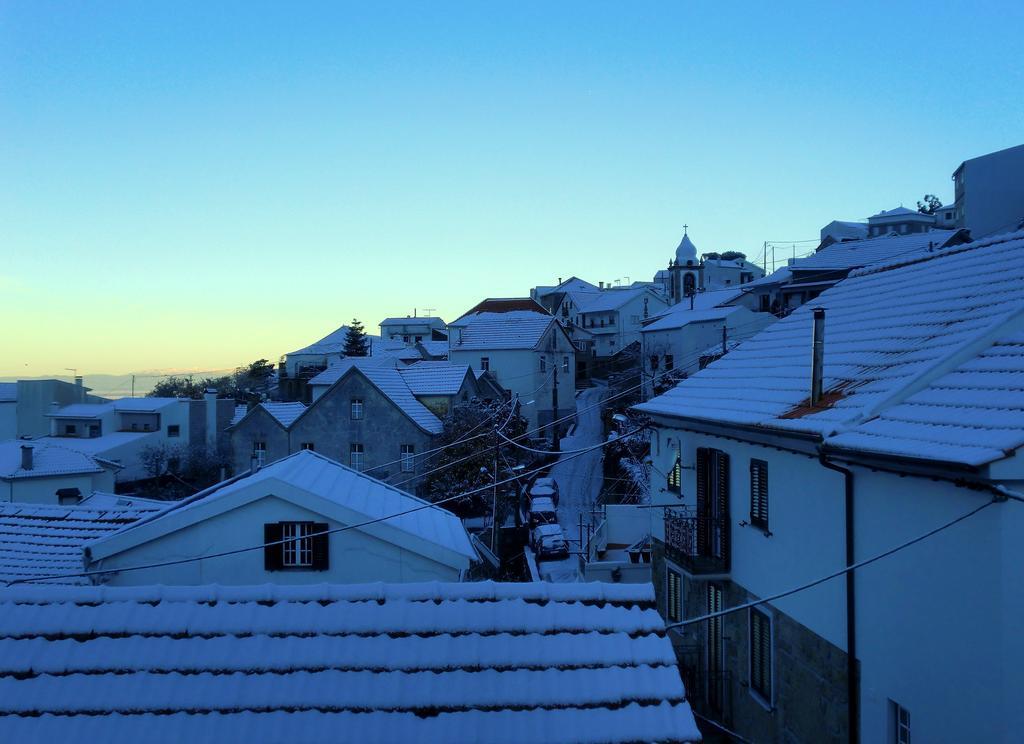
(197, 185)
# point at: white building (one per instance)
(919, 422)
(433, 662)
(121, 430)
(302, 498)
(24, 404)
(607, 321)
(526, 350)
(676, 340)
(412, 330)
(689, 273)
(989, 193)
(42, 472)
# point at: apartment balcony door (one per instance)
(715, 650)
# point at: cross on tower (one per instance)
(684, 229)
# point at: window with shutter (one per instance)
(674, 598)
(321, 545)
(761, 655)
(759, 493)
(675, 474)
(272, 548)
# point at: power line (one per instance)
(261, 546)
(834, 574)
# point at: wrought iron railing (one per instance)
(700, 544)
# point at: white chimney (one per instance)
(79, 389)
(26, 457)
(210, 398)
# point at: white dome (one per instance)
(686, 251)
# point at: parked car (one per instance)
(542, 511)
(548, 541)
(545, 487)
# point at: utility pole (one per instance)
(554, 405)
(133, 386)
(725, 338)
(494, 503)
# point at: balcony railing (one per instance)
(700, 544)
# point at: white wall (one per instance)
(355, 557)
(43, 489)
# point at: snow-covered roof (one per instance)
(922, 358)
(284, 413)
(341, 493)
(43, 539)
(516, 329)
(413, 320)
(332, 343)
(573, 283)
(676, 320)
(121, 405)
(435, 378)
(611, 299)
(857, 253)
(435, 348)
(901, 212)
(390, 381)
(96, 446)
(686, 250)
(501, 305)
(239, 414)
(47, 459)
(470, 662)
(8, 392)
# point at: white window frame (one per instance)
(767, 703)
(297, 552)
(899, 726)
(308, 446)
(356, 456)
(259, 453)
(408, 457)
(565, 364)
(356, 409)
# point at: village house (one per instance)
(777, 467)
(675, 341)
(298, 499)
(412, 330)
(687, 274)
(24, 405)
(604, 323)
(988, 193)
(43, 472)
(432, 662)
(373, 416)
(122, 431)
(526, 351)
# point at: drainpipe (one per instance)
(852, 681)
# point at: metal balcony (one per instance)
(699, 544)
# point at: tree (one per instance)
(734, 256)
(929, 205)
(356, 342)
(467, 463)
(248, 383)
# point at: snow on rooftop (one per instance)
(608, 299)
(435, 348)
(435, 378)
(239, 414)
(355, 491)
(361, 663)
(96, 446)
(48, 459)
(681, 318)
(922, 358)
(853, 254)
(515, 329)
(284, 413)
(121, 405)
(42, 539)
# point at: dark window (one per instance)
(759, 493)
(670, 363)
(308, 446)
(654, 361)
(899, 724)
(766, 303)
(674, 596)
(485, 363)
(357, 408)
(761, 655)
(135, 427)
(712, 502)
(68, 496)
(173, 430)
(94, 430)
(715, 648)
(565, 365)
(295, 545)
(70, 429)
(543, 364)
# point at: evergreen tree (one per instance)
(930, 204)
(356, 342)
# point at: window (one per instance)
(70, 429)
(173, 430)
(543, 364)
(565, 364)
(408, 453)
(259, 453)
(654, 361)
(308, 446)
(759, 493)
(135, 427)
(761, 655)
(673, 596)
(357, 408)
(899, 724)
(419, 338)
(355, 456)
(765, 303)
(295, 546)
(94, 430)
(675, 474)
(634, 319)
(485, 363)
(669, 362)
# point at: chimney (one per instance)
(79, 389)
(817, 354)
(601, 285)
(559, 280)
(210, 401)
(26, 457)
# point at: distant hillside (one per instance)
(120, 386)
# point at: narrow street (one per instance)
(579, 483)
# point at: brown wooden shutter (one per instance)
(722, 505)
(761, 655)
(272, 554)
(703, 510)
(321, 547)
(759, 493)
